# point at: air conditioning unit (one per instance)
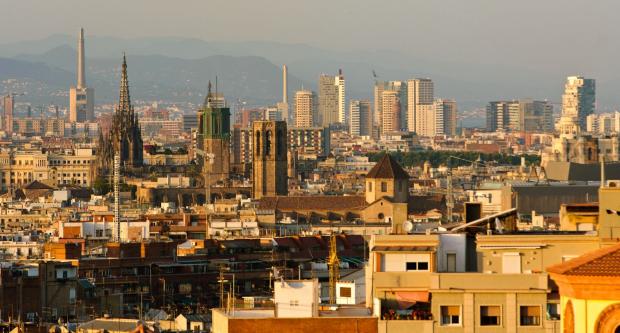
(613, 183)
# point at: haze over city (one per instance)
(479, 50)
(326, 166)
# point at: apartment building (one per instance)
(72, 167)
(458, 282)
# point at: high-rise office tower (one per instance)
(328, 100)
(425, 119)
(519, 115)
(343, 116)
(8, 106)
(400, 87)
(605, 123)
(125, 137)
(378, 101)
(305, 108)
(497, 115)
(445, 116)
(420, 95)
(577, 103)
(241, 159)
(537, 116)
(331, 100)
(390, 112)
(269, 162)
(283, 106)
(272, 113)
(81, 97)
(214, 133)
(361, 120)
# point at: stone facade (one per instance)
(270, 159)
(214, 138)
(125, 136)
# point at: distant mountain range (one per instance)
(156, 77)
(177, 69)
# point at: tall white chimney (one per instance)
(81, 82)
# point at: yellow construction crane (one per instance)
(334, 264)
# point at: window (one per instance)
(369, 186)
(345, 291)
(450, 315)
(490, 315)
(529, 315)
(294, 302)
(383, 186)
(268, 139)
(451, 262)
(417, 266)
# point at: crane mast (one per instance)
(334, 264)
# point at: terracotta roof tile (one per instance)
(318, 203)
(388, 168)
(601, 262)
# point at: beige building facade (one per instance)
(269, 164)
(305, 108)
(76, 167)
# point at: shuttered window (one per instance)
(490, 315)
(450, 315)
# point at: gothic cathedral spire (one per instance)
(125, 136)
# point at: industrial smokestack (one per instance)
(81, 82)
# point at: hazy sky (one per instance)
(473, 28)
(514, 43)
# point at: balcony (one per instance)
(484, 281)
(389, 280)
(405, 326)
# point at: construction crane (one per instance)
(333, 263)
(449, 185)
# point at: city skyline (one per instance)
(491, 55)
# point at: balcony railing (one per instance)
(405, 326)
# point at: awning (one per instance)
(404, 248)
(408, 298)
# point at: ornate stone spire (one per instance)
(124, 102)
(209, 97)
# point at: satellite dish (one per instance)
(408, 226)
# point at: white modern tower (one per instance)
(283, 106)
(420, 94)
(81, 98)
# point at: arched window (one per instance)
(257, 143)
(569, 318)
(268, 139)
(280, 143)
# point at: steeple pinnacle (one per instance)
(124, 102)
(207, 102)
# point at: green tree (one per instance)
(101, 186)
